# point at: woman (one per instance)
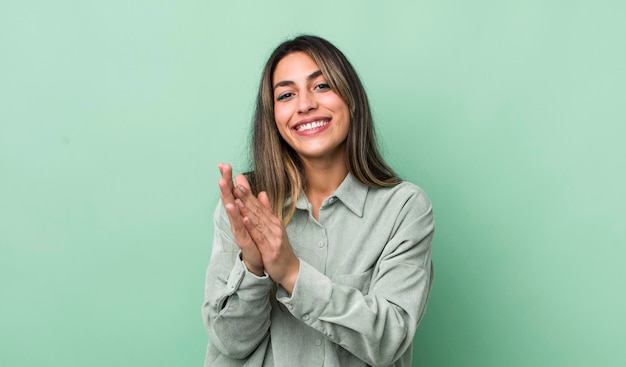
(321, 256)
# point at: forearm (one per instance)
(377, 327)
(371, 310)
(236, 309)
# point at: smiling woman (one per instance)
(310, 116)
(321, 255)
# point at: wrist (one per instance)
(258, 271)
(291, 276)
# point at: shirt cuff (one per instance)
(247, 285)
(310, 296)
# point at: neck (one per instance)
(322, 178)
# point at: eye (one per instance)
(322, 86)
(284, 96)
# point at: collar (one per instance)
(351, 193)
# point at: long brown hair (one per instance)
(277, 169)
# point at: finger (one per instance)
(264, 199)
(243, 181)
(244, 194)
(256, 232)
(243, 210)
(236, 223)
(257, 210)
(250, 206)
(228, 200)
(226, 194)
(226, 183)
(262, 228)
(256, 216)
(227, 174)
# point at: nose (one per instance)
(306, 102)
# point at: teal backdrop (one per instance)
(114, 114)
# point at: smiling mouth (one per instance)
(312, 125)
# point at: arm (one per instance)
(236, 309)
(375, 323)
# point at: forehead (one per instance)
(295, 67)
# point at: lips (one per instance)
(311, 125)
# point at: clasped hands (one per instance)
(257, 230)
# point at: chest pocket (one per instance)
(359, 281)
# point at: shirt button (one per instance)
(321, 243)
(318, 342)
(289, 306)
(305, 316)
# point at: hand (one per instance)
(249, 252)
(269, 235)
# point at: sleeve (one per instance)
(377, 327)
(236, 308)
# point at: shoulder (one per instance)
(404, 205)
(410, 209)
(403, 196)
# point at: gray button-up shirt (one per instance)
(365, 275)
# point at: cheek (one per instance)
(337, 104)
(281, 116)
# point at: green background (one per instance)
(114, 114)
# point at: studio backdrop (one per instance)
(114, 115)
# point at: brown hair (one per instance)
(277, 168)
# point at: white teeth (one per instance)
(311, 125)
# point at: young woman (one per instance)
(321, 255)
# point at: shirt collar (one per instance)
(351, 193)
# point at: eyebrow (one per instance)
(284, 83)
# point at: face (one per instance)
(310, 116)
